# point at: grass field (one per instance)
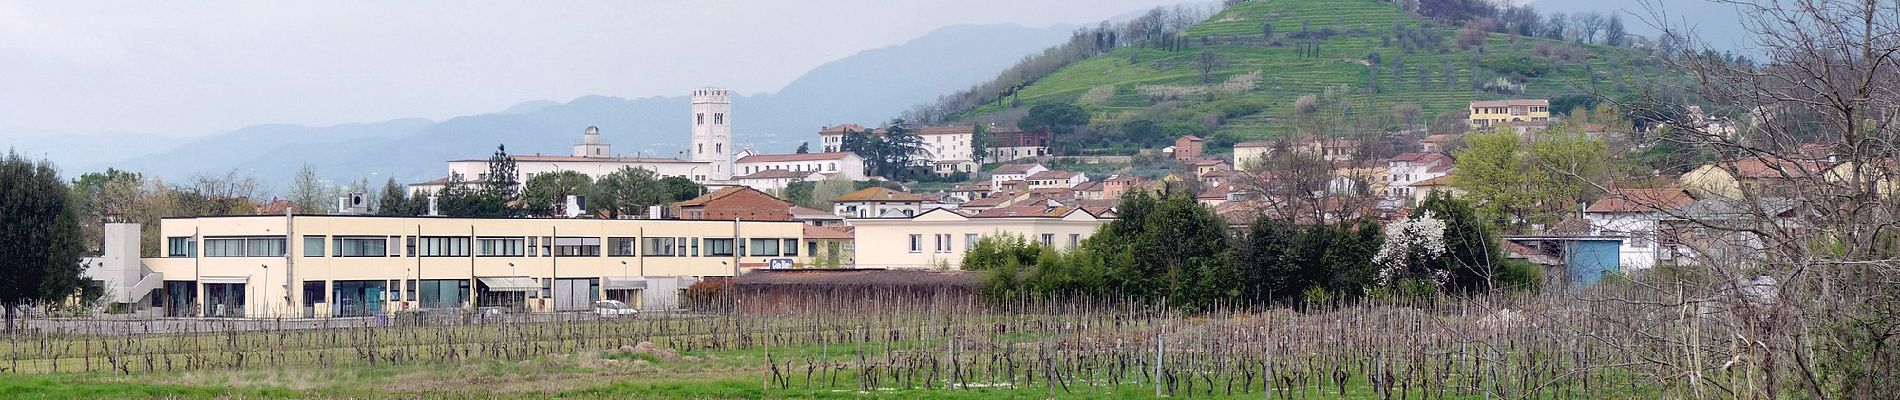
(885, 347)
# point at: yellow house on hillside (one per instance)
(1487, 114)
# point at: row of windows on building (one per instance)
(941, 242)
(718, 119)
(463, 246)
(813, 167)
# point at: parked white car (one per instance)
(613, 308)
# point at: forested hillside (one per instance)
(1268, 69)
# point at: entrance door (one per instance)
(224, 300)
(575, 294)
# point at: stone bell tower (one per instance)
(712, 132)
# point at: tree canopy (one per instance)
(39, 235)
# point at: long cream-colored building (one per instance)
(938, 238)
(338, 265)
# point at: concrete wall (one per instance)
(886, 242)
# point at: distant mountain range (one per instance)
(866, 88)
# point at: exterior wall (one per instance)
(1586, 261)
(1402, 174)
(851, 166)
(1639, 250)
(1419, 193)
(1487, 116)
(1247, 156)
(475, 169)
(1187, 148)
(712, 132)
(996, 180)
(885, 242)
(274, 285)
(1710, 181)
(876, 209)
(947, 147)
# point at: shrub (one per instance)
(1519, 275)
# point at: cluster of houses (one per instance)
(286, 264)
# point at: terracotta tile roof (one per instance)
(806, 213)
(1438, 138)
(1089, 187)
(841, 129)
(1206, 162)
(1253, 143)
(1014, 168)
(714, 195)
(877, 194)
(1219, 173)
(978, 187)
(1025, 211)
(1571, 227)
(1758, 168)
(945, 130)
(1510, 102)
(1441, 180)
(1216, 192)
(630, 160)
(815, 232)
(991, 201)
(836, 155)
(445, 181)
(277, 207)
(1421, 158)
(774, 174)
(1052, 175)
(1122, 178)
(1192, 138)
(1443, 168)
(1641, 200)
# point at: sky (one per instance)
(189, 68)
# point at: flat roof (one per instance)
(479, 218)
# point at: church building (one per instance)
(710, 157)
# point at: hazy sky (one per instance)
(195, 67)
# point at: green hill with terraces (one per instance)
(1365, 62)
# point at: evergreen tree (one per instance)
(500, 181)
(803, 148)
(546, 194)
(39, 236)
(392, 201)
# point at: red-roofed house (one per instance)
(1436, 143)
(737, 202)
(1187, 147)
(1055, 179)
(830, 247)
(1407, 169)
(1637, 214)
(1013, 172)
(843, 164)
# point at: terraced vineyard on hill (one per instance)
(1366, 56)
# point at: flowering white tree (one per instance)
(1409, 242)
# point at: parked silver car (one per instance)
(614, 308)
